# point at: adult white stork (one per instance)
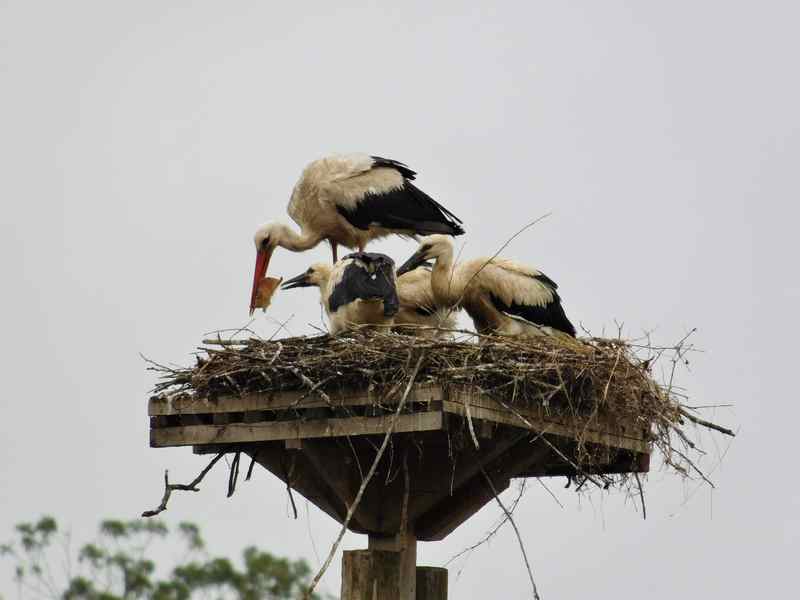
(360, 289)
(349, 200)
(500, 295)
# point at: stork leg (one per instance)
(334, 251)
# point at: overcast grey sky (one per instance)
(143, 142)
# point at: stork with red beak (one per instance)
(350, 200)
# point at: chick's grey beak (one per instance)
(417, 259)
(295, 282)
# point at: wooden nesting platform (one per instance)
(432, 473)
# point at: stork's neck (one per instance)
(447, 288)
(296, 242)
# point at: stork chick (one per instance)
(350, 200)
(418, 307)
(501, 296)
(360, 289)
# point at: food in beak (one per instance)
(262, 292)
(265, 290)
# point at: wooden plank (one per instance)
(550, 425)
(611, 433)
(181, 405)
(288, 430)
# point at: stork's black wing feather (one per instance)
(550, 315)
(407, 208)
(376, 281)
(546, 280)
(394, 164)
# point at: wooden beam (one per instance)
(468, 463)
(334, 466)
(186, 404)
(303, 479)
(438, 523)
(468, 499)
(286, 430)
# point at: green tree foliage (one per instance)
(117, 566)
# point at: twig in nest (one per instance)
(352, 509)
(516, 531)
(552, 446)
(704, 423)
(221, 342)
(312, 387)
(315, 388)
(181, 487)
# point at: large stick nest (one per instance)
(608, 377)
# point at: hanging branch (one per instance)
(516, 531)
(352, 509)
(493, 531)
(181, 487)
(641, 495)
(252, 464)
(233, 476)
(287, 473)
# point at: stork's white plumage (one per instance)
(360, 289)
(350, 200)
(501, 296)
(418, 307)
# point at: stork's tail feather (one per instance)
(449, 224)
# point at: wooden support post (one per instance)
(431, 583)
(406, 546)
(387, 571)
(370, 574)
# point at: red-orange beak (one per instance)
(262, 262)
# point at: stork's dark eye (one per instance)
(426, 247)
(265, 243)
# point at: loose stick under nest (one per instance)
(608, 377)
